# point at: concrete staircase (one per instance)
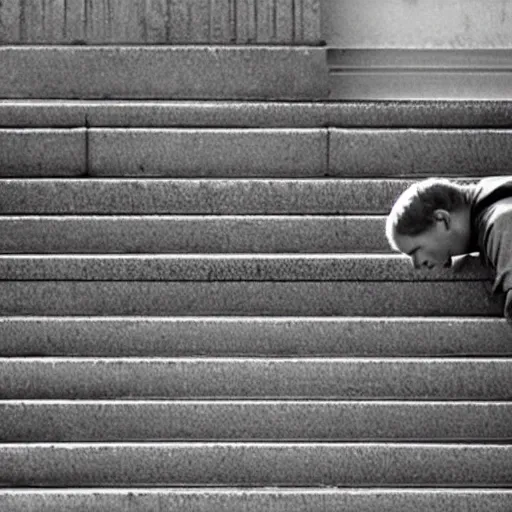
(199, 308)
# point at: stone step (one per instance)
(232, 267)
(199, 196)
(256, 464)
(39, 113)
(337, 152)
(43, 152)
(192, 234)
(253, 336)
(256, 378)
(255, 500)
(163, 72)
(291, 298)
(254, 152)
(66, 421)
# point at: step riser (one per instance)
(180, 72)
(199, 196)
(260, 153)
(167, 337)
(238, 378)
(168, 234)
(214, 114)
(246, 464)
(234, 500)
(43, 152)
(202, 267)
(343, 298)
(300, 421)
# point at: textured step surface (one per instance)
(271, 336)
(251, 500)
(408, 378)
(177, 72)
(229, 267)
(262, 153)
(420, 153)
(207, 152)
(43, 152)
(198, 196)
(192, 234)
(44, 421)
(338, 298)
(256, 464)
(254, 114)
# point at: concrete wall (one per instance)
(160, 21)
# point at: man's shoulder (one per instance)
(488, 185)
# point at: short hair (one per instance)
(413, 211)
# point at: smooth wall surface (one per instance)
(417, 24)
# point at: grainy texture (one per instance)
(256, 500)
(416, 152)
(258, 336)
(192, 234)
(256, 464)
(43, 152)
(156, 72)
(343, 298)
(292, 22)
(198, 196)
(254, 114)
(220, 152)
(348, 378)
(228, 268)
(31, 421)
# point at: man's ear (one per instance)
(443, 216)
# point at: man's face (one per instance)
(432, 248)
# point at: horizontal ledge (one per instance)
(253, 336)
(165, 113)
(289, 499)
(500, 59)
(200, 267)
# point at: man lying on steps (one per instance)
(436, 219)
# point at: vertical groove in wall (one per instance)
(168, 21)
(274, 20)
(294, 21)
(65, 21)
(210, 24)
(160, 21)
(256, 20)
(142, 14)
(233, 21)
(87, 147)
(86, 17)
(23, 24)
(328, 151)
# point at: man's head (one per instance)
(430, 222)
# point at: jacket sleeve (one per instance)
(499, 253)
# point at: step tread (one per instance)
(229, 267)
(234, 499)
(190, 336)
(261, 464)
(395, 378)
(166, 113)
(114, 420)
(146, 72)
(192, 234)
(220, 196)
(252, 298)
